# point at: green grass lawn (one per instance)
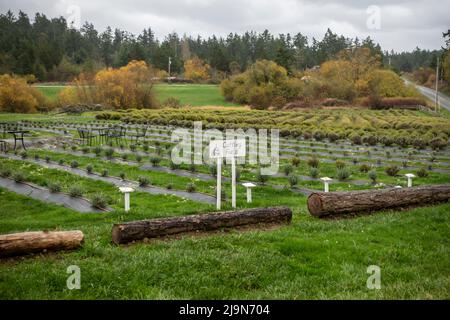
(309, 259)
(51, 92)
(196, 95)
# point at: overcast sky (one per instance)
(399, 25)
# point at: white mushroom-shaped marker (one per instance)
(410, 176)
(126, 191)
(249, 187)
(326, 182)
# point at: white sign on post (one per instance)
(228, 149)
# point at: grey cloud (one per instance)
(404, 24)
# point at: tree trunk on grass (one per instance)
(336, 203)
(30, 242)
(138, 230)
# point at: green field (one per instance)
(195, 95)
(51, 92)
(309, 259)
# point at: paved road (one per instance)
(430, 94)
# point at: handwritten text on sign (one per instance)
(227, 148)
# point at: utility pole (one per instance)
(437, 86)
(170, 62)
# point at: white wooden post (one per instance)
(233, 182)
(126, 191)
(219, 183)
(127, 201)
(326, 182)
(409, 176)
(249, 187)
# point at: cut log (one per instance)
(336, 203)
(138, 230)
(31, 242)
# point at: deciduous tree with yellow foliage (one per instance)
(196, 69)
(17, 96)
(124, 88)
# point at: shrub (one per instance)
(47, 159)
(340, 164)
(422, 173)
(104, 173)
(85, 150)
(109, 153)
(89, 168)
(213, 170)
(17, 96)
(24, 155)
(313, 162)
(356, 139)
(124, 156)
(61, 162)
(19, 177)
(169, 186)
(117, 88)
(5, 173)
(155, 161)
(74, 164)
(133, 147)
(293, 180)
(192, 167)
(138, 158)
(54, 187)
(98, 151)
(122, 175)
(172, 103)
(313, 172)
(75, 192)
(288, 169)
(191, 187)
(437, 144)
(343, 174)
(74, 148)
(392, 170)
(99, 201)
(385, 103)
(364, 168)
(373, 176)
(143, 181)
(238, 174)
(261, 177)
(173, 165)
(295, 161)
(264, 84)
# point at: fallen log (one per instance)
(138, 230)
(31, 242)
(322, 204)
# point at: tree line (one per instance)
(53, 51)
